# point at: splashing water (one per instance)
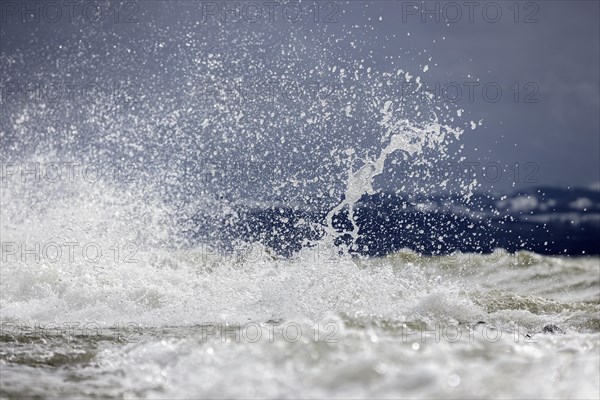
(410, 140)
(124, 273)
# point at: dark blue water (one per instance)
(543, 220)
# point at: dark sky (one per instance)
(559, 54)
(543, 55)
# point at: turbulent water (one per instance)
(129, 271)
(99, 298)
(178, 326)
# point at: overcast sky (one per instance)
(559, 54)
(543, 55)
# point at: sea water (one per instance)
(117, 280)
